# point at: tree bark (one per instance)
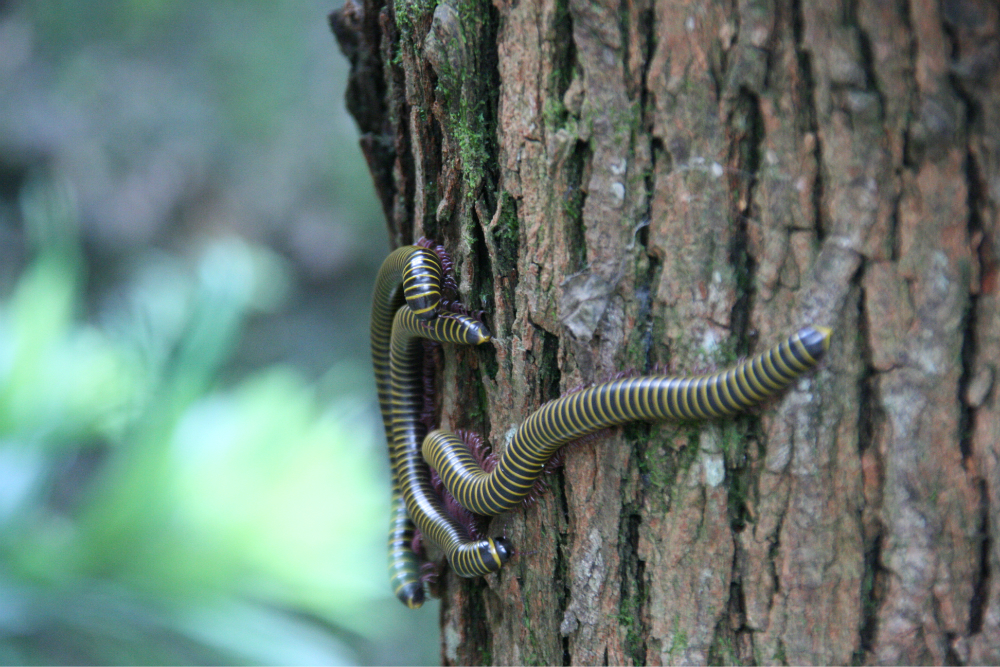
(672, 182)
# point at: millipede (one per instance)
(411, 275)
(408, 308)
(468, 557)
(643, 398)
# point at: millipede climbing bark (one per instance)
(680, 184)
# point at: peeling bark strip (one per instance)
(670, 182)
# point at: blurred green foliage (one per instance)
(149, 516)
(192, 469)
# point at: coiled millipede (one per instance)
(468, 557)
(646, 398)
(412, 275)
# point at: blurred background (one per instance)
(192, 468)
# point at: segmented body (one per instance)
(410, 275)
(649, 398)
(468, 557)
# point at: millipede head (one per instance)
(504, 549)
(816, 340)
(472, 331)
(412, 594)
(480, 334)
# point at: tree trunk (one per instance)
(679, 183)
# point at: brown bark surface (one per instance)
(681, 183)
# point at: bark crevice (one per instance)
(871, 592)
(981, 585)
(811, 121)
(969, 351)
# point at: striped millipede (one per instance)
(416, 273)
(468, 557)
(645, 398)
(411, 275)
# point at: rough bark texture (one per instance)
(683, 182)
